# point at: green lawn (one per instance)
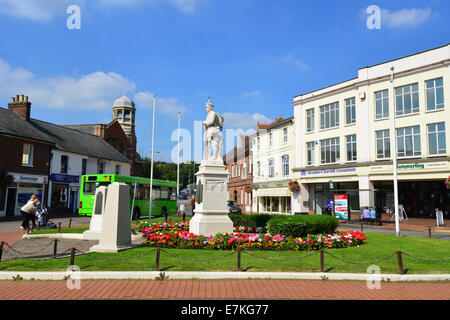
(63, 230)
(377, 246)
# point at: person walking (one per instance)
(373, 215)
(366, 214)
(28, 212)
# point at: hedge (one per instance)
(302, 225)
(250, 220)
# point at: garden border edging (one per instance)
(191, 275)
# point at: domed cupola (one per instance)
(124, 111)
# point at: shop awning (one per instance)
(272, 192)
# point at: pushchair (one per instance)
(43, 218)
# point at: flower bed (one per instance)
(148, 228)
(175, 235)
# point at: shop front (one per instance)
(20, 191)
(421, 188)
(64, 193)
(273, 199)
(323, 185)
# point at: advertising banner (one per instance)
(341, 206)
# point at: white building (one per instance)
(273, 155)
(344, 136)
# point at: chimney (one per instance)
(21, 106)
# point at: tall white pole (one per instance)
(178, 161)
(394, 155)
(151, 166)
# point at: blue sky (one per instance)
(251, 56)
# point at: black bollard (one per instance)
(72, 256)
(1, 249)
(55, 248)
(158, 253)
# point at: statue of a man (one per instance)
(213, 126)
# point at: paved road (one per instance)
(223, 289)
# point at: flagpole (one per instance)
(394, 155)
(178, 163)
(151, 166)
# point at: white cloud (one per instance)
(94, 91)
(244, 120)
(169, 106)
(290, 59)
(405, 17)
(46, 10)
(37, 10)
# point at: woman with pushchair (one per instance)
(28, 212)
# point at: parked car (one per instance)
(233, 207)
(183, 195)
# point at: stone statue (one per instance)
(213, 126)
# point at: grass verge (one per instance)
(376, 246)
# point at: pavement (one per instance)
(221, 289)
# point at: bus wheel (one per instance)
(136, 213)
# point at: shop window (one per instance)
(436, 139)
(100, 167)
(64, 164)
(329, 116)
(330, 150)
(383, 144)
(407, 99)
(435, 94)
(310, 151)
(310, 120)
(83, 166)
(285, 168)
(271, 168)
(382, 104)
(350, 111)
(27, 155)
(408, 141)
(351, 147)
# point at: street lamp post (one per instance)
(394, 155)
(151, 166)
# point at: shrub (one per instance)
(250, 220)
(301, 226)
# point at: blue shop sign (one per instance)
(65, 178)
(328, 171)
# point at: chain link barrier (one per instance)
(425, 260)
(360, 263)
(293, 259)
(116, 259)
(21, 252)
(196, 260)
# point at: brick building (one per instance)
(238, 164)
(24, 157)
(120, 132)
(48, 159)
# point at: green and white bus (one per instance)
(164, 194)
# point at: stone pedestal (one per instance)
(116, 226)
(211, 210)
(95, 225)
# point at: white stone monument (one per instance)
(211, 210)
(95, 225)
(115, 233)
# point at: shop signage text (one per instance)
(65, 178)
(329, 171)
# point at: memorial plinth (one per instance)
(115, 234)
(211, 210)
